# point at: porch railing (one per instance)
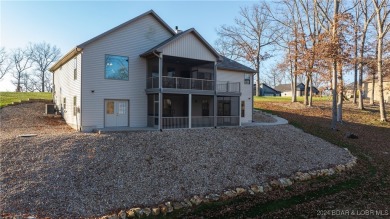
(226, 86)
(174, 122)
(180, 83)
(202, 121)
(228, 120)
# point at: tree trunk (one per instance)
(360, 87)
(372, 102)
(334, 72)
(340, 98)
(380, 82)
(258, 80)
(355, 67)
(311, 92)
(43, 82)
(306, 100)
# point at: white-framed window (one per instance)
(116, 67)
(64, 102)
(74, 106)
(247, 78)
(75, 68)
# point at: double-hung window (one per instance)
(247, 79)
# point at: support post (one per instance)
(215, 95)
(160, 95)
(189, 110)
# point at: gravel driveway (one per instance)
(61, 172)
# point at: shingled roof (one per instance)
(228, 64)
(160, 46)
(283, 87)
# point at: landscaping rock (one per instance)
(131, 213)
(213, 197)
(189, 204)
(230, 193)
(122, 214)
(155, 211)
(240, 191)
(147, 211)
(163, 209)
(196, 200)
(177, 205)
(169, 207)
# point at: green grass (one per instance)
(286, 99)
(7, 98)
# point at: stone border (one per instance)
(170, 206)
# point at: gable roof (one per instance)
(283, 87)
(159, 47)
(228, 64)
(75, 51)
(264, 84)
(287, 87)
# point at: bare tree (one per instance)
(42, 56)
(332, 20)
(246, 40)
(22, 61)
(5, 63)
(365, 16)
(382, 10)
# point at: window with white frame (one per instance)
(247, 78)
(75, 68)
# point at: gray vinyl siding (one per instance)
(66, 87)
(246, 90)
(130, 41)
(189, 46)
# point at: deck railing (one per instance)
(174, 122)
(180, 83)
(202, 121)
(228, 120)
(230, 87)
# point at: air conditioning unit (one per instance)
(50, 109)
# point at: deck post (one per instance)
(215, 95)
(189, 110)
(160, 95)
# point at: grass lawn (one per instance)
(7, 98)
(287, 99)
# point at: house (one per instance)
(285, 90)
(266, 90)
(143, 73)
(367, 89)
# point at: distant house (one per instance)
(285, 90)
(266, 90)
(367, 89)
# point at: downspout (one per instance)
(81, 93)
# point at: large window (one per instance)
(117, 67)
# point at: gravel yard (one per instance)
(61, 172)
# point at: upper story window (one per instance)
(247, 79)
(75, 68)
(117, 67)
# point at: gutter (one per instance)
(71, 54)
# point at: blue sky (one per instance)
(69, 23)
